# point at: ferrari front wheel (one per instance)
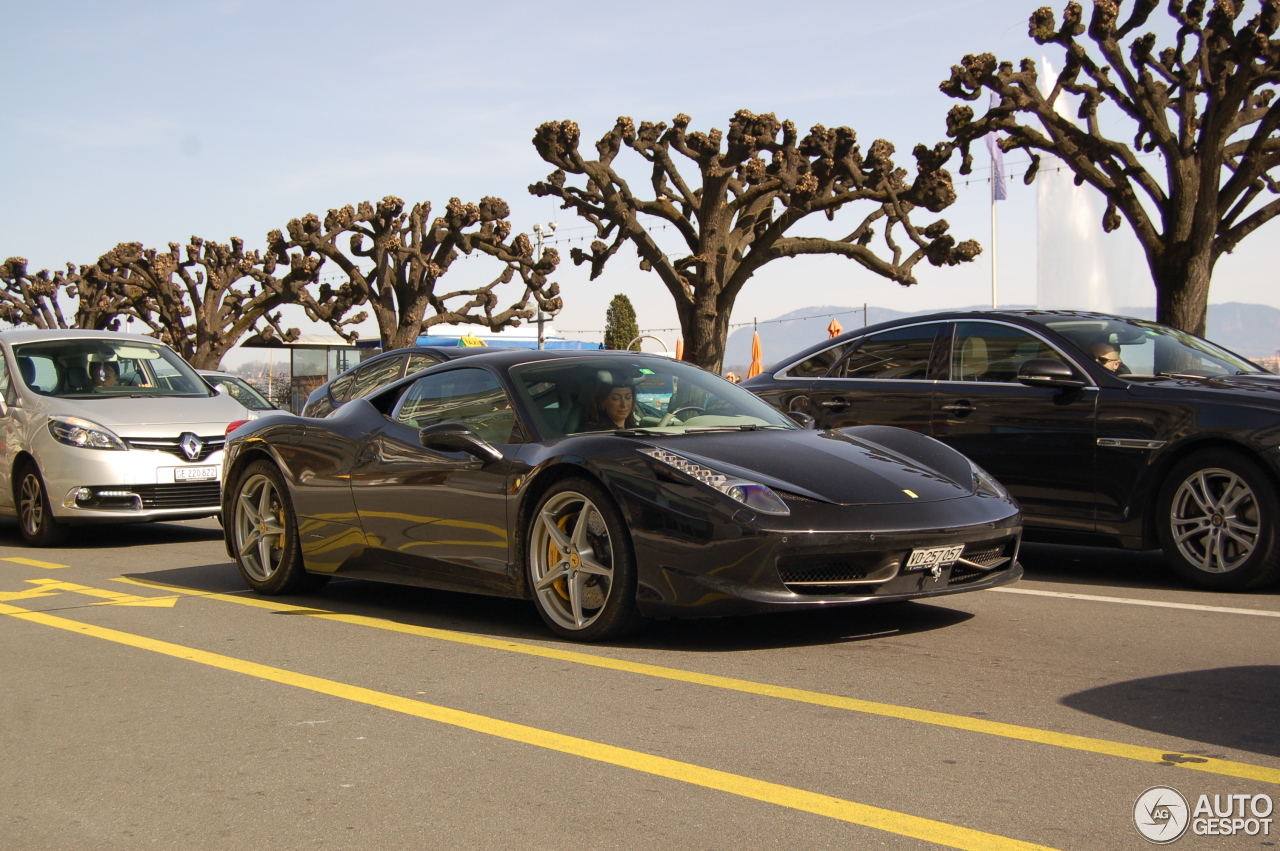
(580, 563)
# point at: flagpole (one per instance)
(995, 254)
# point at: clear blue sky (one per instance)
(155, 121)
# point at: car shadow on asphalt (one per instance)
(1105, 568)
(504, 617)
(1228, 707)
(116, 536)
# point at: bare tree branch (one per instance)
(758, 181)
(1204, 104)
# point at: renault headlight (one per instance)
(985, 485)
(753, 495)
(85, 434)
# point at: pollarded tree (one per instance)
(396, 259)
(203, 303)
(1204, 103)
(756, 183)
(34, 298)
(620, 326)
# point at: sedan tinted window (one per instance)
(901, 353)
(377, 374)
(417, 362)
(818, 365)
(472, 397)
(986, 351)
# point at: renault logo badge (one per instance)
(191, 446)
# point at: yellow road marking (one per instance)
(1229, 768)
(26, 595)
(33, 563)
(866, 815)
(113, 598)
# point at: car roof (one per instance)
(446, 352)
(29, 335)
(1026, 314)
(514, 357)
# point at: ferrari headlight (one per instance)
(754, 495)
(85, 434)
(985, 485)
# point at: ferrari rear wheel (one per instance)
(264, 533)
(581, 565)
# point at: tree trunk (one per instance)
(1182, 288)
(705, 328)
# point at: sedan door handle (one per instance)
(959, 408)
(837, 402)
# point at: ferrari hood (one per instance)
(832, 466)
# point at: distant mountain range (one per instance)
(1252, 330)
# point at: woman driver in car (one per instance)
(612, 405)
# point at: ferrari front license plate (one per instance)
(934, 557)
(187, 474)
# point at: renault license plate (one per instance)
(931, 557)
(194, 474)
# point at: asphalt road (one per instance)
(152, 703)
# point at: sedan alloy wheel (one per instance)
(1217, 514)
(1215, 520)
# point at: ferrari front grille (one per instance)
(836, 574)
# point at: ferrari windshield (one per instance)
(94, 368)
(1147, 349)
(642, 394)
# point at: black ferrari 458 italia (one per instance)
(608, 488)
(1107, 430)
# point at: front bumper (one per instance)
(696, 564)
(126, 487)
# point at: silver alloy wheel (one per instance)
(260, 527)
(1215, 520)
(31, 504)
(571, 560)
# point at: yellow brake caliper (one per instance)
(554, 556)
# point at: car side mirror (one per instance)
(801, 419)
(1047, 372)
(455, 437)
(221, 389)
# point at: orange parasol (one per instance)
(679, 348)
(834, 329)
(756, 366)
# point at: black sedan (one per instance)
(378, 371)
(1107, 430)
(608, 489)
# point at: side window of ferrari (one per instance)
(472, 397)
(901, 353)
(988, 352)
(338, 389)
(376, 375)
(818, 365)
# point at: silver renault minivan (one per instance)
(99, 427)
